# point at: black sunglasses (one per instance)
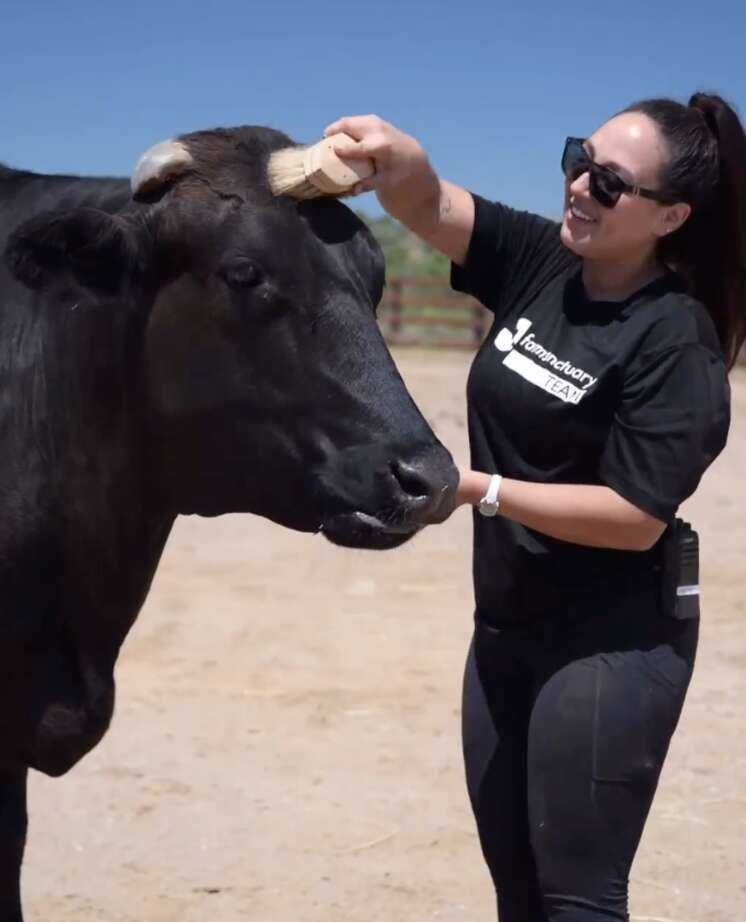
(606, 186)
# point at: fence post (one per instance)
(396, 307)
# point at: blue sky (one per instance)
(490, 88)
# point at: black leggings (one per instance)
(565, 727)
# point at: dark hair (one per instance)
(707, 170)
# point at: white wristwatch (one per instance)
(489, 503)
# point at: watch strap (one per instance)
(489, 503)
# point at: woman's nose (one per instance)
(580, 184)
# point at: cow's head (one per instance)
(266, 386)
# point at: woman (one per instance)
(595, 405)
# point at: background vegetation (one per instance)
(405, 253)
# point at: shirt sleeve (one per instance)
(509, 250)
(670, 425)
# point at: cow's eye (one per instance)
(242, 274)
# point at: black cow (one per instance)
(206, 349)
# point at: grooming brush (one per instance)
(310, 172)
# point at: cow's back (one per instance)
(24, 194)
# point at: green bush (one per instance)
(405, 253)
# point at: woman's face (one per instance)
(631, 145)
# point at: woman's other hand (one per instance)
(472, 486)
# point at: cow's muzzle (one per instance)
(406, 495)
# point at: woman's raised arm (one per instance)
(407, 186)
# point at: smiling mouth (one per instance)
(362, 530)
(580, 215)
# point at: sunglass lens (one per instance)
(574, 159)
(606, 187)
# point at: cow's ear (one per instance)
(98, 248)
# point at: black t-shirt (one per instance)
(631, 394)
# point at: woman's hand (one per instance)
(472, 486)
(407, 186)
(404, 178)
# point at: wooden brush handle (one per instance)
(331, 172)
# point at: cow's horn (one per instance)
(159, 164)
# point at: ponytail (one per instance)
(707, 170)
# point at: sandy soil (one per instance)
(286, 742)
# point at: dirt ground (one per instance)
(286, 741)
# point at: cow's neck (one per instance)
(109, 569)
(83, 543)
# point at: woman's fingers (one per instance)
(356, 126)
(373, 147)
(341, 125)
(365, 185)
(371, 138)
(402, 170)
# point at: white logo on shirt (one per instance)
(541, 376)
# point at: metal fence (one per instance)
(425, 311)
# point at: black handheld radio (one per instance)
(680, 571)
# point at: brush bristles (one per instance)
(287, 175)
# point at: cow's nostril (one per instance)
(428, 485)
(412, 480)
